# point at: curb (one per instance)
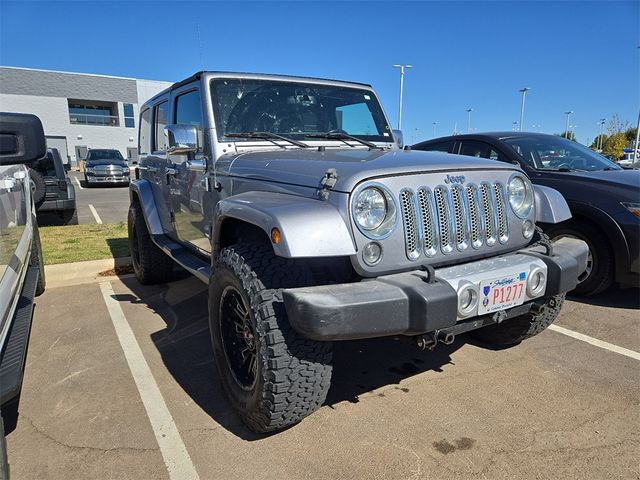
(77, 273)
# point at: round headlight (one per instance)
(370, 208)
(520, 195)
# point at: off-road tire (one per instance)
(37, 259)
(150, 264)
(603, 268)
(69, 217)
(4, 461)
(515, 330)
(293, 373)
(38, 187)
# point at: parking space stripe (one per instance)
(174, 452)
(95, 214)
(595, 342)
(78, 182)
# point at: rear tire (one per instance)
(602, 269)
(69, 217)
(272, 376)
(150, 264)
(515, 330)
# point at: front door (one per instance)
(191, 212)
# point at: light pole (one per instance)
(434, 129)
(635, 146)
(566, 130)
(599, 143)
(469, 110)
(401, 67)
(524, 93)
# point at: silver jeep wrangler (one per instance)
(294, 201)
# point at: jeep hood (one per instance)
(306, 167)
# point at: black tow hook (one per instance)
(429, 341)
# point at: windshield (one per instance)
(295, 110)
(559, 154)
(104, 155)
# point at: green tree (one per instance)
(614, 145)
(630, 135)
(570, 136)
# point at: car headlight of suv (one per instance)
(520, 193)
(374, 211)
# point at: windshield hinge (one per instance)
(327, 183)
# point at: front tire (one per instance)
(600, 267)
(150, 264)
(515, 330)
(273, 376)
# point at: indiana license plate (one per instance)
(502, 293)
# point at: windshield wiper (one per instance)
(267, 136)
(343, 136)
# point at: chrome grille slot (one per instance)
(488, 214)
(411, 234)
(475, 221)
(460, 218)
(428, 221)
(444, 219)
(503, 228)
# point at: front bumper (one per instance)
(412, 304)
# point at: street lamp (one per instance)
(434, 129)
(401, 67)
(599, 143)
(469, 110)
(566, 130)
(524, 93)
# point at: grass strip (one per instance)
(79, 243)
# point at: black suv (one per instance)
(52, 189)
(604, 199)
(105, 166)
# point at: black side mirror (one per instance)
(21, 138)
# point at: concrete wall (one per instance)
(46, 95)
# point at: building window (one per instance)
(89, 112)
(129, 121)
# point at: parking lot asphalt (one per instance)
(120, 383)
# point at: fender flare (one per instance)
(142, 190)
(309, 228)
(551, 206)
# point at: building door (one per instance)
(81, 154)
(132, 155)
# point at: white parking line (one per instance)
(95, 214)
(595, 342)
(174, 452)
(78, 182)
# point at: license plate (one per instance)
(501, 293)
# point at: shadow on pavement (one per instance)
(615, 297)
(359, 366)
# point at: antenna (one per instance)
(200, 47)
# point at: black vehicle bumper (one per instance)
(411, 304)
(13, 356)
(51, 205)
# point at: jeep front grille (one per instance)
(453, 218)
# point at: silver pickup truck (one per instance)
(22, 142)
(295, 202)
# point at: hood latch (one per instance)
(327, 183)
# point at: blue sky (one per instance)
(580, 56)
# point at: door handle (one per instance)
(197, 165)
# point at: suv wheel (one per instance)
(150, 263)
(69, 217)
(600, 265)
(273, 376)
(515, 330)
(38, 187)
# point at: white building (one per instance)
(79, 111)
